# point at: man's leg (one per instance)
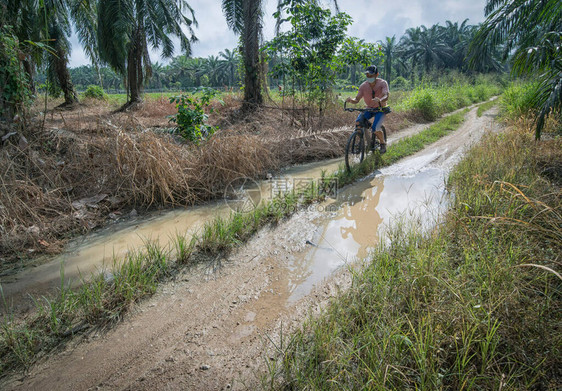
(359, 120)
(363, 117)
(377, 123)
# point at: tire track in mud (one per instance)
(208, 329)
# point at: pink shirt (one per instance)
(366, 92)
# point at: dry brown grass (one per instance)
(226, 157)
(158, 108)
(124, 168)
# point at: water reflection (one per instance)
(365, 209)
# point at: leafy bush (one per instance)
(95, 92)
(400, 83)
(191, 116)
(424, 102)
(517, 100)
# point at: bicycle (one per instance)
(360, 138)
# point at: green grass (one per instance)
(432, 102)
(482, 108)
(517, 101)
(473, 305)
(98, 301)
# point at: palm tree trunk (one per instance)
(134, 73)
(63, 76)
(250, 38)
(132, 83)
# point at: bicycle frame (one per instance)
(368, 141)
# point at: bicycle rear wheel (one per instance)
(355, 149)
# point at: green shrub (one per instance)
(481, 93)
(400, 83)
(15, 95)
(95, 92)
(517, 100)
(191, 116)
(424, 102)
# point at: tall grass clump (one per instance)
(474, 305)
(98, 301)
(429, 101)
(517, 99)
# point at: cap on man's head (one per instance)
(371, 70)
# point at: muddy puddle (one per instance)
(363, 212)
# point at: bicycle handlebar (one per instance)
(371, 109)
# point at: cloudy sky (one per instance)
(372, 21)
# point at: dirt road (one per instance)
(211, 328)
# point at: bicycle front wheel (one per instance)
(355, 149)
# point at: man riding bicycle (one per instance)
(374, 92)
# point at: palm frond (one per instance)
(533, 29)
(234, 14)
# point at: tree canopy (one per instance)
(531, 30)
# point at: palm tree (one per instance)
(57, 69)
(244, 17)
(126, 28)
(50, 20)
(425, 46)
(389, 49)
(84, 75)
(215, 71)
(533, 30)
(457, 38)
(197, 68)
(22, 16)
(157, 74)
(231, 60)
(180, 69)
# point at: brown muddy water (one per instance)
(97, 252)
(347, 226)
(361, 214)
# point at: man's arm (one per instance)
(357, 98)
